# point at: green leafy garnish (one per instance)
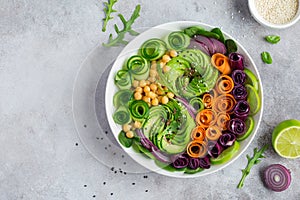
(231, 46)
(252, 161)
(266, 57)
(273, 39)
(126, 28)
(125, 141)
(108, 10)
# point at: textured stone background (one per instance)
(43, 43)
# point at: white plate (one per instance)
(162, 31)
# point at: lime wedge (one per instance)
(286, 138)
(250, 125)
(253, 99)
(251, 79)
(226, 155)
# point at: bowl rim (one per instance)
(108, 101)
(266, 23)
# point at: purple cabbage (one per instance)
(241, 109)
(236, 126)
(204, 162)
(227, 139)
(194, 163)
(215, 151)
(238, 77)
(236, 61)
(181, 162)
(239, 92)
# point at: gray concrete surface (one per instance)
(42, 45)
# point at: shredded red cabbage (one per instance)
(236, 61)
(238, 77)
(239, 92)
(241, 109)
(236, 126)
(216, 150)
(204, 162)
(227, 139)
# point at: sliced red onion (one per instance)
(277, 177)
(194, 163)
(192, 111)
(215, 151)
(236, 61)
(238, 77)
(198, 45)
(239, 92)
(207, 42)
(181, 162)
(227, 139)
(218, 46)
(236, 126)
(241, 109)
(204, 162)
(152, 148)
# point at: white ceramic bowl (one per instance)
(131, 49)
(262, 21)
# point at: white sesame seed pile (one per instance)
(277, 11)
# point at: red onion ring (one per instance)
(277, 177)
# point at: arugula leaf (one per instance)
(108, 10)
(127, 28)
(252, 161)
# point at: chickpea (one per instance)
(147, 82)
(138, 96)
(146, 89)
(147, 94)
(143, 83)
(146, 99)
(173, 53)
(153, 87)
(153, 62)
(152, 95)
(137, 124)
(135, 83)
(166, 68)
(152, 79)
(152, 73)
(166, 58)
(160, 92)
(159, 98)
(170, 95)
(129, 134)
(162, 64)
(154, 102)
(139, 89)
(165, 88)
(126, 127)
(164, 100)
(153, 66)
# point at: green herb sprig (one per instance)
(252, 161)
(108, 10)
(126, 28)
(273, 39)
(266, 57)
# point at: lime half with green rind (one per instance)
(253, 99)
(250, 125)
(286, 139)
(251, 79)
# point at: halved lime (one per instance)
(251, 79)
(253, 99)
(250, 125)
(226, 155)
(286, 138)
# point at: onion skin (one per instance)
(236, 61)
(277, 177)
(238, 77)
(239, 92)
(236, 126)
(241, 109)
(191, 110)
